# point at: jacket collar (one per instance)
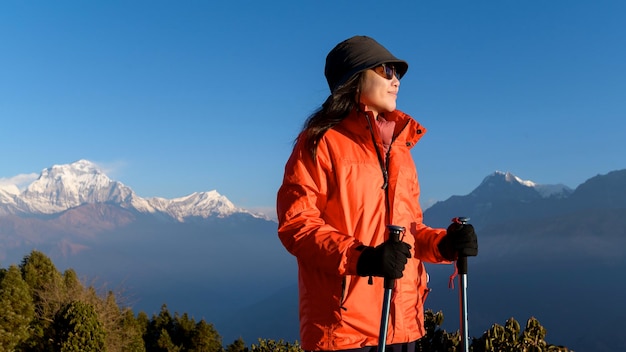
(407, 130)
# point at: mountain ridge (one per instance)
(503, 197)
(62, 187)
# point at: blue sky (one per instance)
(175, 97)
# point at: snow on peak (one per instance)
(509, 177)
(543, 189)
(197, 204)
(62, 187)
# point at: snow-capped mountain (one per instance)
(494, 184)
(501, 195)
(62, 187)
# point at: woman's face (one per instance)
(378, 93)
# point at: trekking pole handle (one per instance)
(395, 232)
(461, 220)
(461, 262)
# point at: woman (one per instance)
(350, 175)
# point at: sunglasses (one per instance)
(386, 71)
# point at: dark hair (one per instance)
(336, 108)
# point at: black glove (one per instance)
(460, 241)
(386, 260)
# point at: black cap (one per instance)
(357, 54)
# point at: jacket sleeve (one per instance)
(427, 238)
(300, 204)
(426, 243)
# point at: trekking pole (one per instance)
(461, 265)
(394, 236)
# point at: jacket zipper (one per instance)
(384, 164)
(343, 293)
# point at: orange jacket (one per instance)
(329, 206)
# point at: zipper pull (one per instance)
(386, 178)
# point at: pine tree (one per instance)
(268, 345)
(132, 332)
(77, 329)
(157, 336)
(40, 275)
(237, 346)
(73, 286)
(38, 271)
(182, 330)
(16, 309)
(143, 322)
(205, 338)
(165, 344)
